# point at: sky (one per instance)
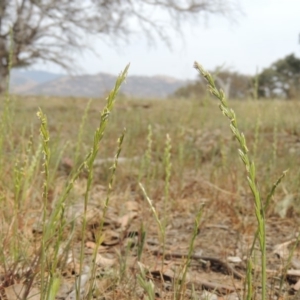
(266, 31)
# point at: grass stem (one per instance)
(250, 169)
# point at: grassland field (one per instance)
(205, 169)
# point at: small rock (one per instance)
(233, 296)
(208, 296)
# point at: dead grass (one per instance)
(205, 170)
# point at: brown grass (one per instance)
(205, 169)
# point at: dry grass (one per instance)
(205, 171)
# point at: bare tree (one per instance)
(50, 30)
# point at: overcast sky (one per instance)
(268, 30)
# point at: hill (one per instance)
(45, 83)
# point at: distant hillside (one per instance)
(22, 81)
(45, 83)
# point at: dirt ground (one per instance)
(133, 254)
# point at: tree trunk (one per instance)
(3, 78)
(4, 66)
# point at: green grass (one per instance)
(260, 206)
(185, 158)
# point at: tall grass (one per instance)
(45, 263)
(197, 165)
(260, 206)
(89, 162)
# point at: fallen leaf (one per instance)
(111, 238)
(16, 292)
(104, 262)
(282, 250)
(296, 286)
(126, 219)
(92, 245)
(132, 206)
(234, 259)
(282, 207)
